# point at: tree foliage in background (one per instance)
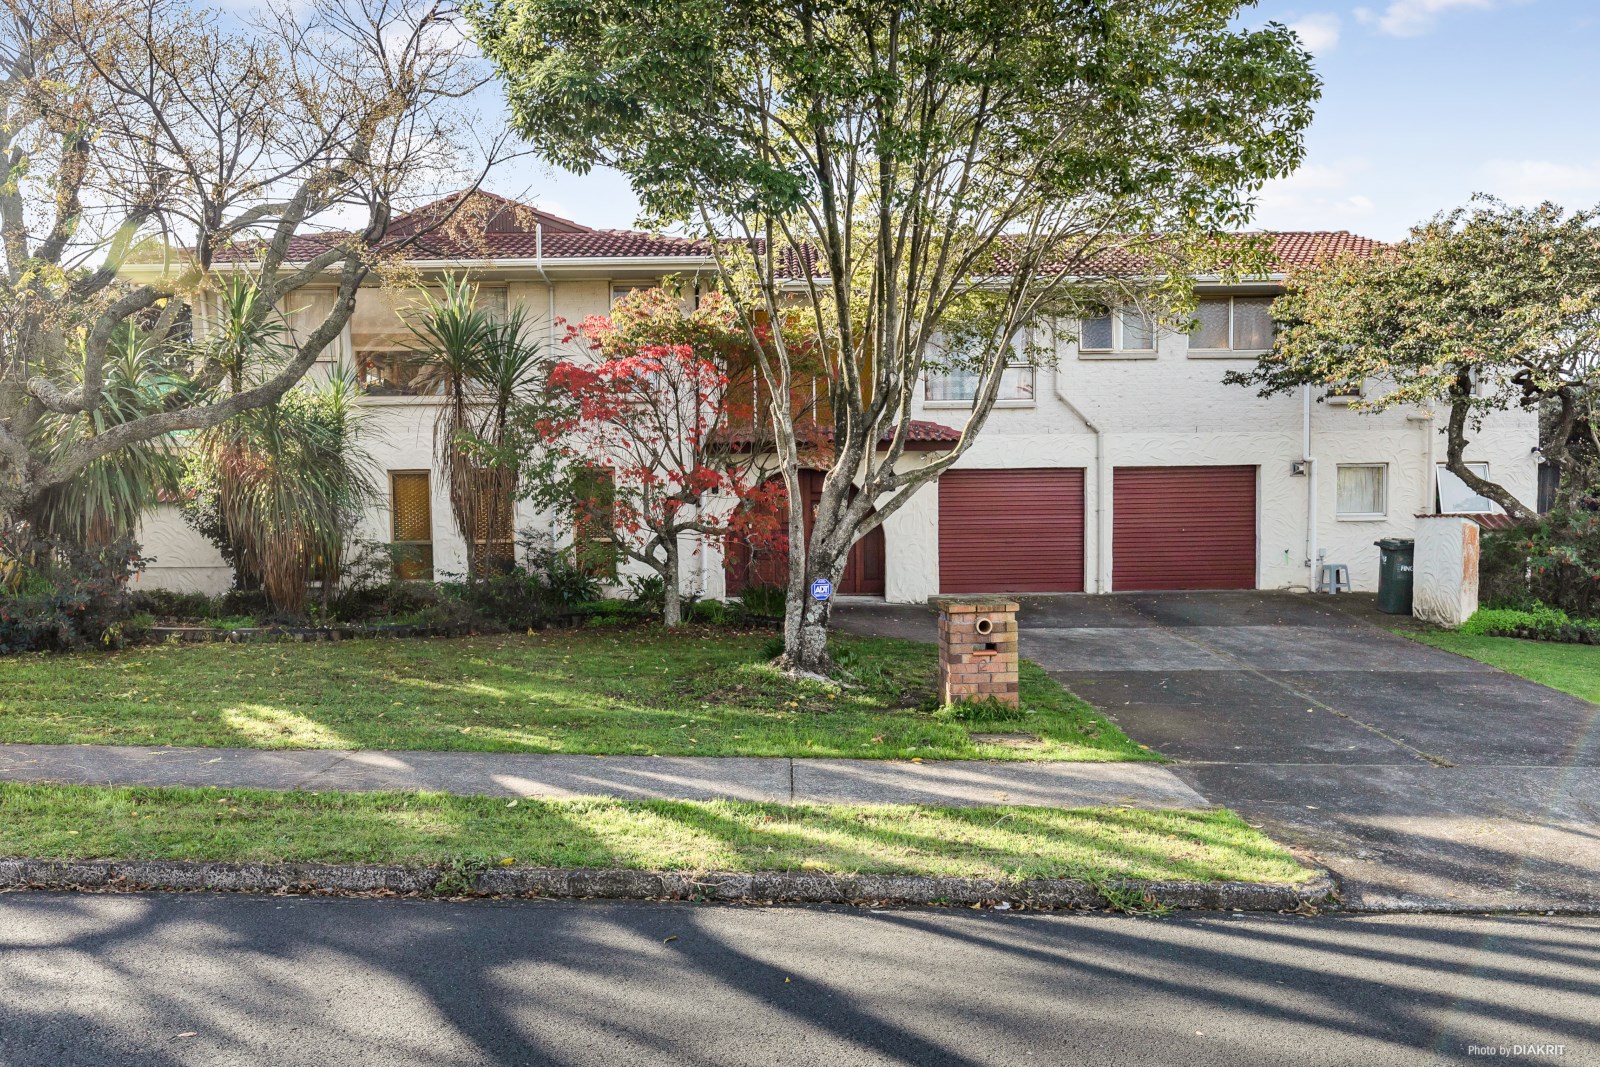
(147, 142)
(489, 370)
(644, 430)
(1483, 308)
(882, 168)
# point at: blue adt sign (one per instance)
(821, 589)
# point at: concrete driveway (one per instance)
(1424, 780)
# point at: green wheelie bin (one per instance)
(1395, 556)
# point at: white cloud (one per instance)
(1531, 181)
(1409, 18)
(1319, 33)
(1316, 197)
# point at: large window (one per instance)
(306, 309)
(388, 362)
(1231, 324)
(1117, 330)
(411, 524)
(1363, 491)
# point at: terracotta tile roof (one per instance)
(1289, 249)
(490, 227)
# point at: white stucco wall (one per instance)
(1171, 409)
(183, 560)
(1444, 577)
(1166, 408)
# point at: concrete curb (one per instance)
(762, 887)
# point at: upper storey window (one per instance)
(1235, 325)
(1117, 331)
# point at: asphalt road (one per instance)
(215, 979)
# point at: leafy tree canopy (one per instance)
(1480, 309)
(886, 166)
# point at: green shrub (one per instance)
(1536, 622)
(1554, 561)
(65, 596)
(764, 600)
(710, 613)
(386, 600)
(648, 594)
(566, 584)
(171, 604)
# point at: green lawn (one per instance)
(1572, 669)
(81, 822)
(641, 690)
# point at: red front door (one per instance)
(863, 571)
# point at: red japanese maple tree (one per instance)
(643, 434)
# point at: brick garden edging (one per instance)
(761, 887)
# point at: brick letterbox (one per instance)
(977, 649)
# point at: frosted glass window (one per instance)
(1211, 329)
(1096, 335)
(1016, 384)
(1138, 332)
(492, 300)
(1362, 491)
(306, 309)
(952, 385)
(1252, 323)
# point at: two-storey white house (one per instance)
(1123, 464)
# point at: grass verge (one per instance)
(1570, 668)
(642, 691)
(430, 829)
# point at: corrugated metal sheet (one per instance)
(1183, 528)
(1011, 531)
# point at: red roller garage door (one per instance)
(1011, 531)
(1183, 528)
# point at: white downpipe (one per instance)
(1101, 488)
(1424, 418)
(1311, 487)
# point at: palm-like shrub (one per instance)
(278, 488)
(103, 504)
(487, 368)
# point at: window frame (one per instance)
(1383, 488)
(1118, 349)
(1438, 492)
(395, 543)
(1232, 351)
(967, 402)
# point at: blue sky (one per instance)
(1425, 102)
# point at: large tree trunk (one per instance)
(1455, 453)
(805, 619)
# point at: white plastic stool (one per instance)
(1334, 578)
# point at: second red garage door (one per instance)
(1011, 531)
(1183, 528)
